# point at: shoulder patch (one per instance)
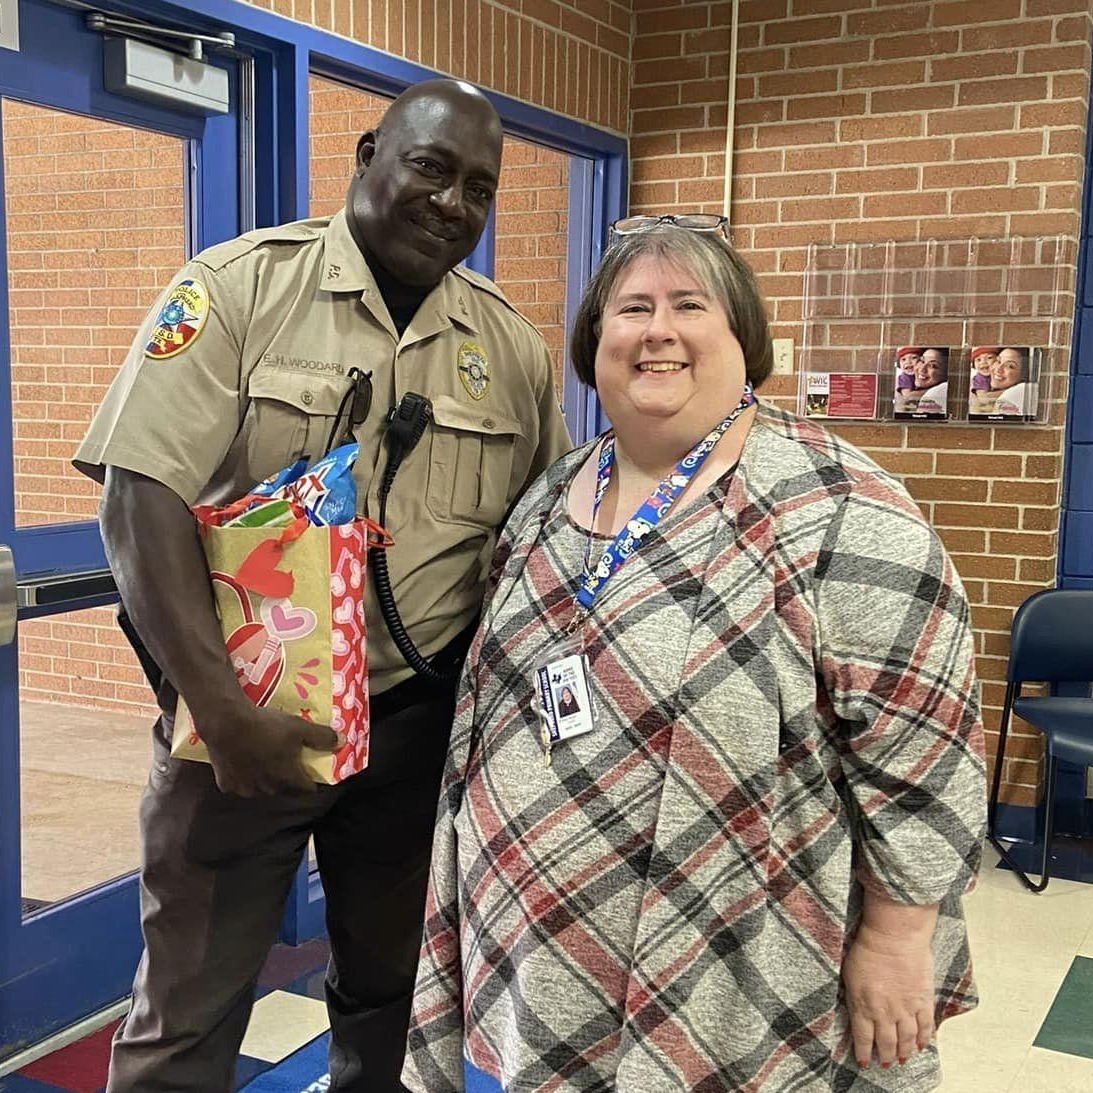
(180, 320)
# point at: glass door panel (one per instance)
(84, 713)
(96, 227)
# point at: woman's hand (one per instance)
(888, 974)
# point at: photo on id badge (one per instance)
(564, 698)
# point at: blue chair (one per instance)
(1051, 641)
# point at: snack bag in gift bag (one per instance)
(290, 598)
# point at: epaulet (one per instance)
(484, 284)
(221, 254)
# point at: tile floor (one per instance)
(1033, 1032)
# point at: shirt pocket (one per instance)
(470, 463)
(288, 415)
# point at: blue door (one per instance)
(104, 196)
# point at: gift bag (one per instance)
(291, 606)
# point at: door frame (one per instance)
(69, 959)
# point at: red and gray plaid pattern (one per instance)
(787, 713)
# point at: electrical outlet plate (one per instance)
(783, 357)
(9, 24)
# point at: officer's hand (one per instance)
(257, 751)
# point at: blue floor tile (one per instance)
(312, 985)
(247, 1069)
(304, 1071)
(16, 1083)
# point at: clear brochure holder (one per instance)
(889, 329)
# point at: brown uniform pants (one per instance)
(216, 871)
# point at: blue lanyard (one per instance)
(656, 506)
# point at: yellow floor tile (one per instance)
(281, 1023)
(1022, 947)
(1053, 1072)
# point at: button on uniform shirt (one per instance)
(240, 368)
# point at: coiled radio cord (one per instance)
(405, 425)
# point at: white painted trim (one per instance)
(730, 121)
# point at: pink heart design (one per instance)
(287, 622)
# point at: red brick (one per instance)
(1022, 544)
(658, 121)
(1075, 29)
(969, 66)
(886, 129)
(761, 60)
(1063, 141)
(812, 29)
(910, 151)
(1036, 569)
(870, 24)
(682, 68)
(796, 133)
(889, 74)
(983, 120)
(1069, 85)
(836, 155)
(975, 11)
(818, 7)
(825, 106)
(1007, 36)
(792, 84)
(1050, 7)
(905, 205)
(947, 489)
(1046, 115)
(661, 46)
(998, 146)
(1014, 89)
(995, 199)
(832, 54)
(685, 17)
(916, 45)
(1056, 58)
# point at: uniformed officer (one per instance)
(239, 369)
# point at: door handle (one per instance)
(9, 607)
(53, 589)
(44, 590)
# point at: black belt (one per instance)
(417, 690)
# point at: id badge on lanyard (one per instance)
(564, 695)
(564, 691)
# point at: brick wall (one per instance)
(876, 120)
(531, 239)
(571, 56)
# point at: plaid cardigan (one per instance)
(788, 713)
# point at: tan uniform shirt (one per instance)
(241, 371)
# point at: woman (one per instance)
(1010, 391)
(930, 392)
(567, 703)
(746, 872)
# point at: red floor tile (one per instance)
(79, 1068)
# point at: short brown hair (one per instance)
(712, 260)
